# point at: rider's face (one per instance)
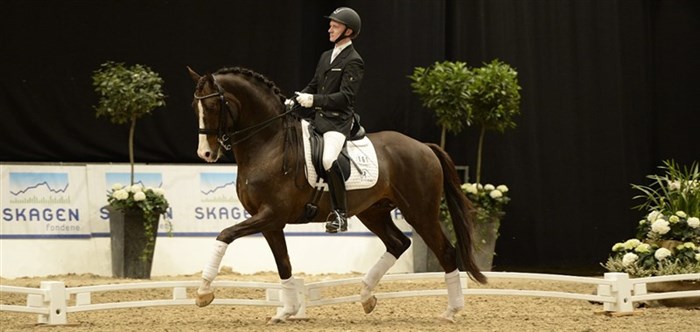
(334, 30)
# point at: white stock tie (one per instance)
(334, 54)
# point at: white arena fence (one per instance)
(616, 291)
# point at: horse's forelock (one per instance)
(203, 80)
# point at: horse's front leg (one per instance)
(290, 299)
(256, 224)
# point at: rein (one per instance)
(223, 135)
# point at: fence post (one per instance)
(621, 290)
(55, 299)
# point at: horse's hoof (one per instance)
(369, 305)
(275, 320)
(204, 300)
(279, 319)
(449, 315)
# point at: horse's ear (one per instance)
(194, 74)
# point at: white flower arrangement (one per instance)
(136, 197)
(150, 201)
(668, 238)
(489, 200)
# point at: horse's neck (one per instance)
(258, 147)
(258, 141)
(274, 154)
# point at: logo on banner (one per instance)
(153, 180)
(217, 195)
(40, 197)
(39, 188)
(217, 187)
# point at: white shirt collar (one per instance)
(343, 46)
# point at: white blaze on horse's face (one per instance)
(204, 150)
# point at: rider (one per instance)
(331, 93)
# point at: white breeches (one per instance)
(332, 145)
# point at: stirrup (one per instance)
(337, 222)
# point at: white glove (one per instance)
(288, 103)
(305, 99)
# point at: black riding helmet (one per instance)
(349, 17)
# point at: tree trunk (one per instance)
(442, 137)
(478, 154)
(132, 129)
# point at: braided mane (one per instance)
(247, 73)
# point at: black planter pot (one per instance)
(127, 232)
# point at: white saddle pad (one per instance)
(364, 169)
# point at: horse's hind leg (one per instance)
(435, 239)
(381, 224)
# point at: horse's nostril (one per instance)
(207, 154)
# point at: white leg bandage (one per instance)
(374, 274)
(212, 269)
(290, 302)
(455, 297)
(290, 298)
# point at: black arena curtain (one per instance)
(608, 92)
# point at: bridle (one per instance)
(224, 135)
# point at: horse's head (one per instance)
(236, 105)
(215, 115)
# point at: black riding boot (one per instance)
(337, 220)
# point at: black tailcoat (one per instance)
(334, 87)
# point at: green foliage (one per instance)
(442, 88)
(127, 93)
(494, 96)
(487, 96)
(678, 189)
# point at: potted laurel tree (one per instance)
(487, 97)
(494, 99)
(668, 238)
(126, 94)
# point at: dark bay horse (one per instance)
(241, 110)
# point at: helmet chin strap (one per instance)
(341, 36)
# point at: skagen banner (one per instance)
(44, 202)
(64, 207)
(202, 200)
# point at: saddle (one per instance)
(315, 147)
(316, 139)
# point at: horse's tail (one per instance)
(461, 211)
